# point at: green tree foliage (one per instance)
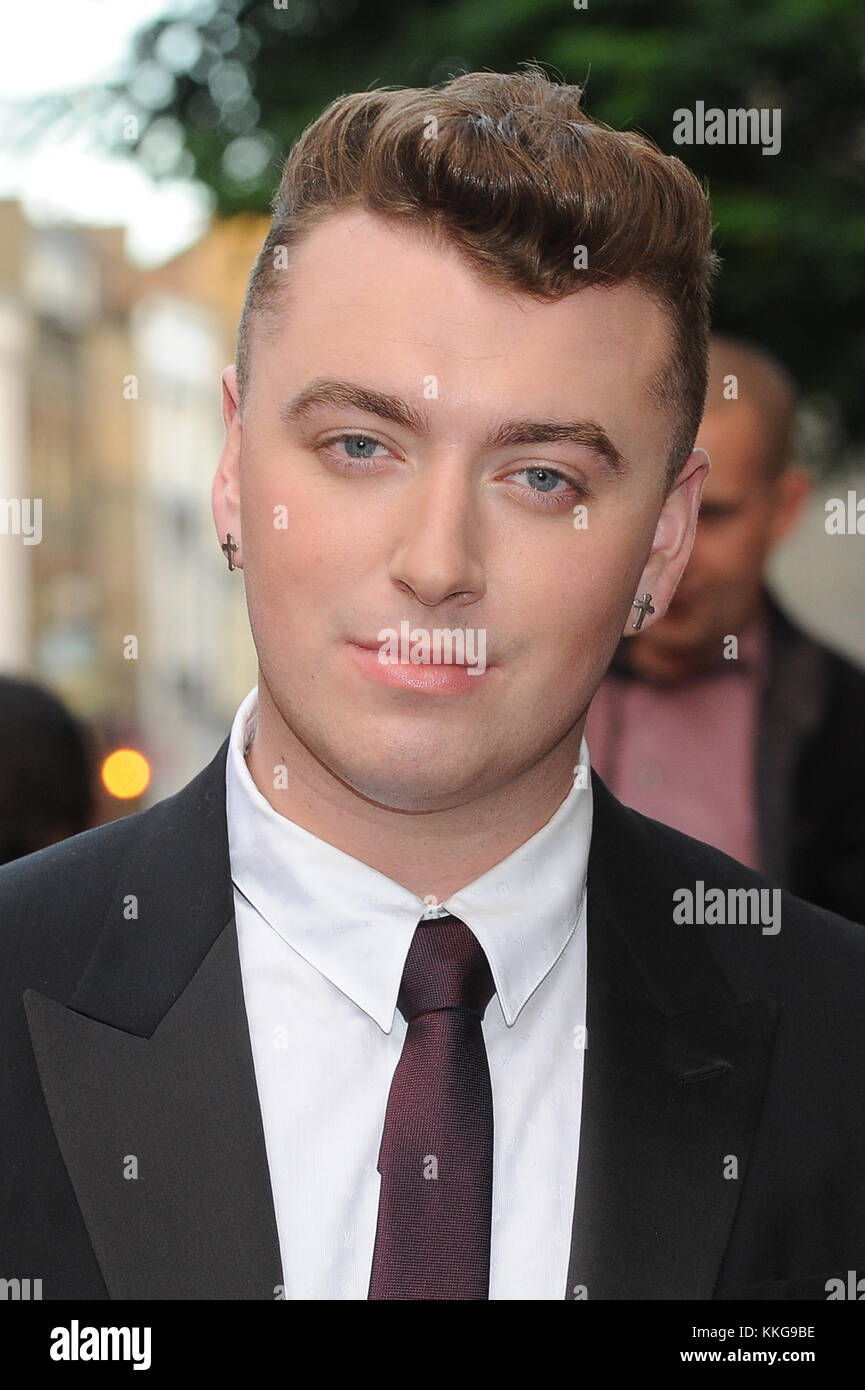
(223, 94)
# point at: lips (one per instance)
(375, 646)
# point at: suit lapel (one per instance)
(674, 1076)
(148, 1072)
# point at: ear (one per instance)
(792, 489)
(672, 542)
(225, 496)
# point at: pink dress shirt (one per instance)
(684, 754)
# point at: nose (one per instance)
(440, 536)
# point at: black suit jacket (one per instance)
(710, 1050)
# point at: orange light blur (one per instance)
(126, 773)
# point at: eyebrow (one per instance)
(334, 391)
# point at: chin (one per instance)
(410, 790)
(391, 764)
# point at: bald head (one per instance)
(763, 391)
(751, 499)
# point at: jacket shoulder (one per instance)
(766, 939)
(54, 902)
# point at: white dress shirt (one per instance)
(323, 940)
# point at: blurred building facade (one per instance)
(110, 401)
(200, 658)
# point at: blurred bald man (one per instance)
(725, 719)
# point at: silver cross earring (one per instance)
(645, 606)
(228, 547)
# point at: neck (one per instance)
(432, 853)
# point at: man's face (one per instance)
(740, 517)
(442, 526)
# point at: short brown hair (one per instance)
(511, 170)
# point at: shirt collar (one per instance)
(355, 925)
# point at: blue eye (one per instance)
(358, 448)
(543, 486)
(362, 442)
(545, 477)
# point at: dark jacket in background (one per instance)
(810, 767)
(811, 770)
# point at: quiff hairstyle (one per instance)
(511, 171)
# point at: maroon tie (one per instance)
(436, 1158)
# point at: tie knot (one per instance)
(445, 969)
